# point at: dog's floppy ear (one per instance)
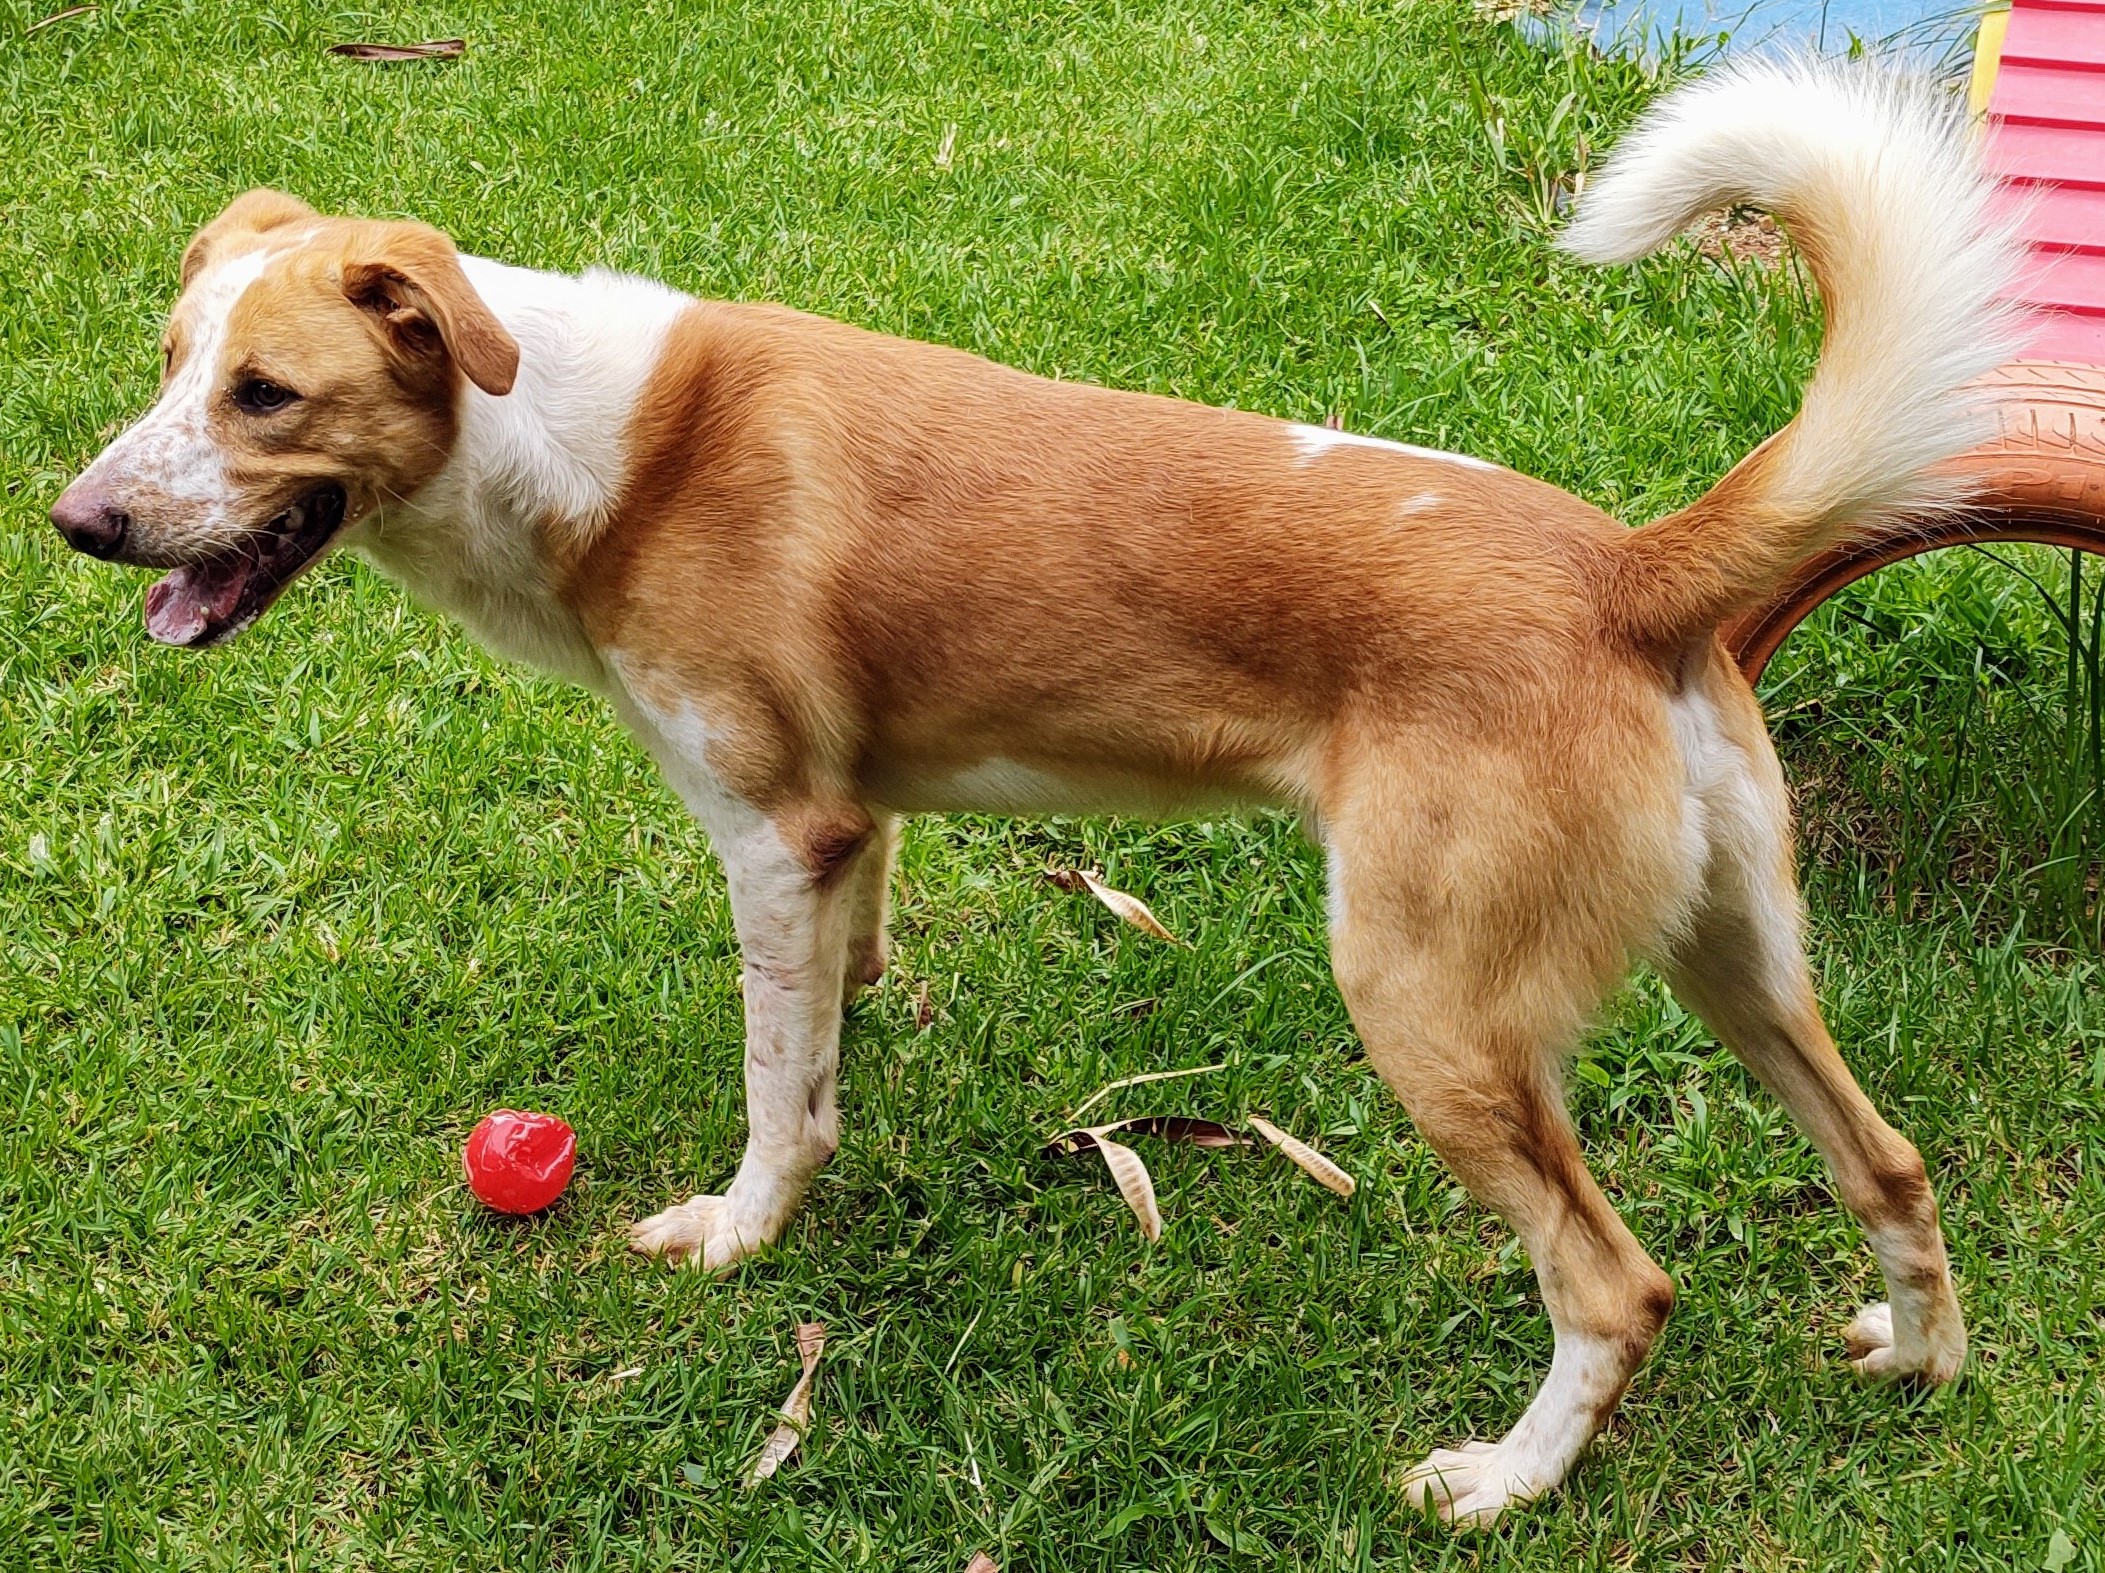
(411, 281)
(252, 213)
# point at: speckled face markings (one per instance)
(171, 449)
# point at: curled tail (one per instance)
(1882, 194)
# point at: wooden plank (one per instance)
(2068, 280)
(2031, 94)
(2056, 218)
(2064, 38)
(2054, 155)
(1987, 59)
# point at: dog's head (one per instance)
(312, 369)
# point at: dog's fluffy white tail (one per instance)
(1877, 183)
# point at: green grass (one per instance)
(278, 923)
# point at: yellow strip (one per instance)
(1987, 58)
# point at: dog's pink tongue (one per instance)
(181, 606)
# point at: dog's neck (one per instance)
(540, 466)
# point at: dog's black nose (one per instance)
(90, 521)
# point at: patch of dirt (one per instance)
(1741, 233)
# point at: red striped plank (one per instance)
(2065, 337)
(2038, 95)
(2033, 155)
(2068, 39)
(2046, 142)
(2061, 218)
(2069, 280)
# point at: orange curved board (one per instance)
(2040, 479)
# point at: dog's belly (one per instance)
(997, 785)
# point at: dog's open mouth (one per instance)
(204, 603)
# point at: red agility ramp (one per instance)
(2046, 142)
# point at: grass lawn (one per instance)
(278, 923)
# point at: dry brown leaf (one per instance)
(430, 49)
(1131, 909)
(796, 1409)
(66, 15)
(1134, 1181)
(1170, 1127)
(1318, 1167)
(1135, 1184)
(1110, 1087)
(982, 1563)
(924, 1012)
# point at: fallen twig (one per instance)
(430, 49)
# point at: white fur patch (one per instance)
(1730, 830)
(1474, 1483)
(995, 786)
(1333, 887)
(678, 737)
(1919, 1330)
(552, 454)
(587, 347)
(1315, 441)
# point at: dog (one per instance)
(827, 578)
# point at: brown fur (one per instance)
(872, 564)
(901, 559)
(879, 570)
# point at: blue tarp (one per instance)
(1935, 29)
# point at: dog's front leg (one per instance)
(790, 903)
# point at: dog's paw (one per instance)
(697, 1230)
(1879, 1356)
(1470, 1485)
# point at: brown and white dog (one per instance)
(827, 578)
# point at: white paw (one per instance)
(1470, 1485)
(1933, 1356)
(696, 1230)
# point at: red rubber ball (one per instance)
(517, 1162)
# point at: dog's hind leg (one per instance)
(1741, 966)
(1467, 1007)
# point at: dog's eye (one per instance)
(255, 396)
